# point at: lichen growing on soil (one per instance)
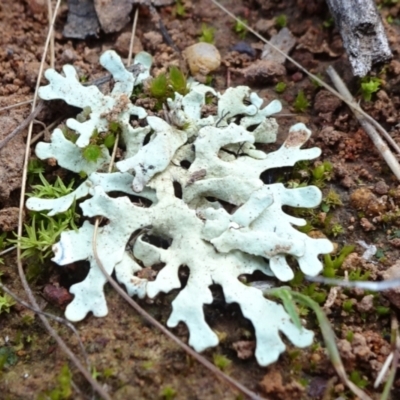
(214, 161)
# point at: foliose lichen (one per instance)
(215, 162)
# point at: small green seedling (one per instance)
(281, 21)
(280, 87)
(221, 362)
(331, 265)
(6, 302)
(369, 85)
(301, 103)
(240, 27)
(207, 34)
(331, 200)
(180, 9)
(322, 173)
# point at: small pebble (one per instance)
(381, 188)
(202, 58)
(244, 48)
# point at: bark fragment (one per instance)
(362, 32)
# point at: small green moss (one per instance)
(177, 80)
(207, 34)
(8, 358)
(159, 86)
(337, 229)
(350, 336)
(328, 23)
(168, 393)
(347, 305)
(301, 103)
(281, 21)
(64, 389)
(109, 140)
(369, 85)
(6, 302)
(180, 8)
(331, 200)
(280, 87)
(357, 379)
(381, 310)
(240, 27)
(221, 361)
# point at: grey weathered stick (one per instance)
(362, 31)
(380, 145)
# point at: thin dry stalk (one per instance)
(52, 46)
(314, 78)
(21, 103)
(135, 19)
(35, 111)
(96, 386)
(368, 128)
(47, 129)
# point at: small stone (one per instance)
(113, 14)
(123, 43)
(68, 56)
(393, 295)
(202, 58)
(264, 71)
(297, 76)
(366, 304)
(367, 225)
(326, 102)
(244, 48)
(381, 188)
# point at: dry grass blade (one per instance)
(315, 78)
(135, 19)
(96, 386)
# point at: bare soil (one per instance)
(131, 358)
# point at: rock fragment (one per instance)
(202, 58)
